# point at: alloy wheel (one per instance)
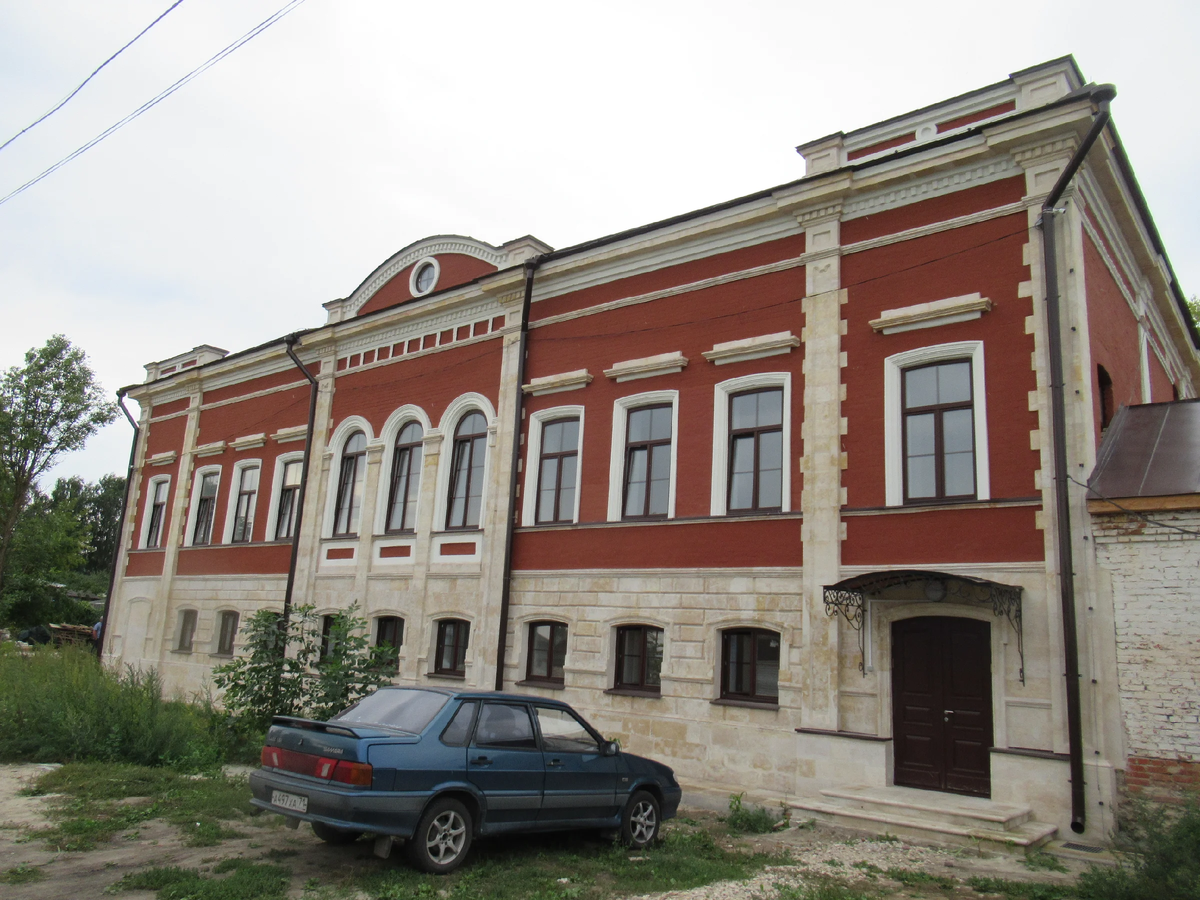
(445, 838)
(643, 822)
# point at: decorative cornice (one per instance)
(752, 348)
(291, 433)
(647, 366)
(249, 441)
(211, 449)
(934, 186)
(163, 459)
(554, 384)
(931, 314)
(1045, 149)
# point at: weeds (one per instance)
(1021, 890)
(1162, 856)
(749, 820)
(22, 874)
(1041, 861)
(97, 803)
(821, 889)
(243, 880)
(916, 878)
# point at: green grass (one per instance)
(61, 705)
(1041, 861)
(22, 874)
(232, 879)
(95, 804)
(1160, 856)
(748, 819)
(1022, 890)
(917, 879)
(534, 869)
(821, 889)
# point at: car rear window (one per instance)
(401, 709)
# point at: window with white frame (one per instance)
(752, 426)
(289, 473)
(643, 456)
(935, 425)
(204, 506)
(406, 479)
(464, 497)
(351, 474)
(154, 529)
(243, 502)
(550, 495)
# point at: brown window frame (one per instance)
(348, 476)
(754, 634)
(559, 456)
(548, 676)
(407, 455)
(649, 445)
(206, 508)
(158, 512)
(397, 624)
(939, 455)
(243, 511)
(459, 646)
(187, 630)
(641, 684)
(465, 446)
(226, 636)
(756, 432)
(285, 513)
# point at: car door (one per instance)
(505, 763)
(581, 782)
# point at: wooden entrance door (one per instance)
(942, 704)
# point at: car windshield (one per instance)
(400, 709)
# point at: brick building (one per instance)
(765, 489)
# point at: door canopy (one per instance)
(850, 598)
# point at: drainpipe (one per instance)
(1101, 95)
(112, 575)
(513, 482)
(289, 343)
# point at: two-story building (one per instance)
(766, 489)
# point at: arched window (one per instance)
(406, 479)
(350, 486)
(466, 472)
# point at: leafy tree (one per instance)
(285, 672)
(99, 506)
(1193, 306)
(49, 406)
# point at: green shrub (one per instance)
(62, 705)
(1161, 849)
(748, 820)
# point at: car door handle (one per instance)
(555, 762)
(481, 761)
(946, 714)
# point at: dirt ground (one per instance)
(85, 875)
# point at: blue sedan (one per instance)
(435, 768)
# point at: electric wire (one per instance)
(149, 104)
(64, 100)
(1133, 512)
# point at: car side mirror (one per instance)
(611, 748)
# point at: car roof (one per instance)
(475, 694)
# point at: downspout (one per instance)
(290, 342)
(513, 482)
(112, 575)
(1101, 95)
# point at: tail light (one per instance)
(341, 770)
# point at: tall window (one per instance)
(756, 451)
(466, 472)
(547, 652)
(227, 634)
(939, 432)
(247, 495)
(328, 637)
(289, 496)
(406, 479)
(639, 658)
(158, 511)
(205, 506)
(389, 633)
(187, 630)
(350, 486)
(750, 665)
(648, 462)
(1104, 382)
(450, 657)
(558, 471)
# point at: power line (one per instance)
(1133, 512)
(64, 100)
(149, 104)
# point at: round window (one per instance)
(425, 278)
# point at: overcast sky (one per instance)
(281, 177)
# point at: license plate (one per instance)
(294, 802)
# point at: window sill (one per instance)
(221, 655)
(852, 735)
(464, 530)
(543, 683)
(449, 676)
(747, 704)
(179, 652)
(633, 692)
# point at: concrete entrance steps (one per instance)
(929, 816)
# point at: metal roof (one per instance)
(1150, 451)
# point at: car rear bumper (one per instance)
(381, 813)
